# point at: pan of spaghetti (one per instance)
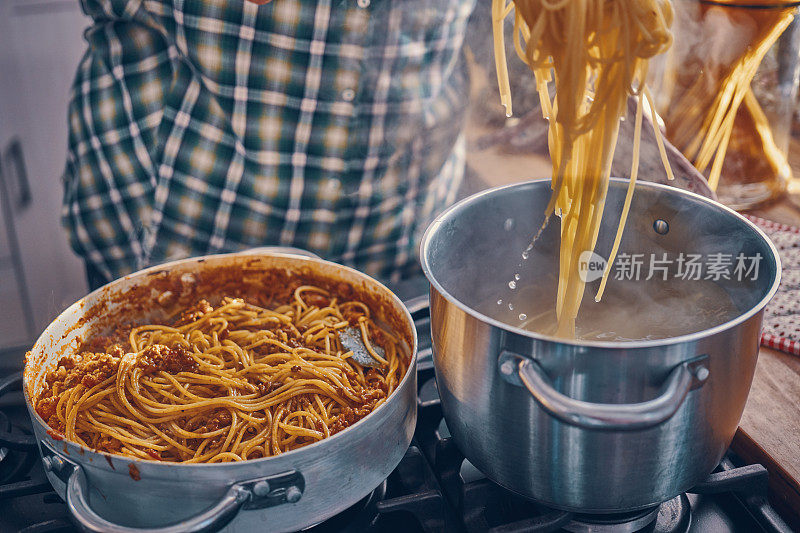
(241, 390)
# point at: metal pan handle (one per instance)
(255, 493)
(212, 519)
(683, 378)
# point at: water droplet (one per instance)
(500, 301)
(508, 224)
(512, 285)
(527, 251)
(523, 316)
(510, 307)
(516, 277)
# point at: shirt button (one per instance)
(363, 4)
(348, 95)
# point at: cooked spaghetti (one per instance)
(596, 54)
(226, 383)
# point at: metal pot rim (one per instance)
(263, 460)
(450, 212)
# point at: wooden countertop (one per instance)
(769, 432)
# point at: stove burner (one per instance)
(673, 516)
(616, 523)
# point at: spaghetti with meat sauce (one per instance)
(225, 382)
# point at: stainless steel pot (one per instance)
(597, 427)
(288, 492)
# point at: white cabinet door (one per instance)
(15, 326)
(40, 46)
(13, 330)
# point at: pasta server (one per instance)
(351, 340)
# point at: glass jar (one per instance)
(726, 92)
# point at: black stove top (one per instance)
(433, 489)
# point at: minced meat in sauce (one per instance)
(100, 356)
(157, 358)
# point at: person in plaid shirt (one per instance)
(219, 125)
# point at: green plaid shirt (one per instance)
(216, 125)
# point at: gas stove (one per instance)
(433, 489)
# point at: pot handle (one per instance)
(255, 493)
(212, 519)
(685, 377)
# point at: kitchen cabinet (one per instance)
(41, 44)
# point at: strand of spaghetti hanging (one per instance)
(595, 53)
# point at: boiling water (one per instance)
(629, 311)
